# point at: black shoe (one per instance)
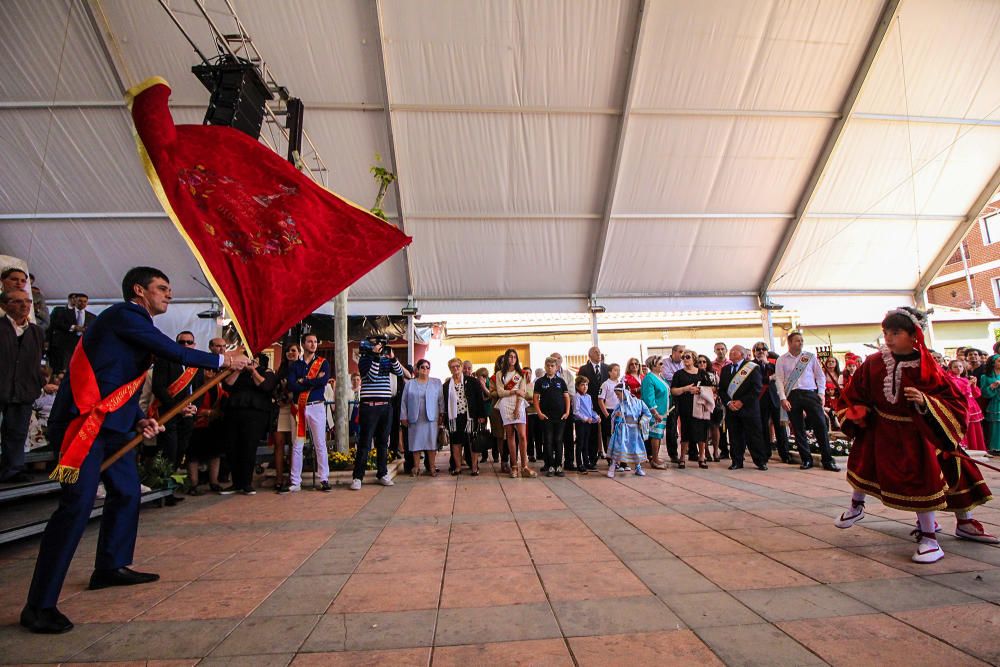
(474, 473)
(736, 466)
(806, 464)
(549, 472)
(280, 488)
(250, 491)
(123, 576)
(45, 621)
(193, 491)
(325, 486)
(172, 500)
(762, 466)
(228, 491)
(592, 468)
(216, 488)
(831, 466)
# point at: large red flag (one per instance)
(274, 244)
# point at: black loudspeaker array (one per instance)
(238, 94)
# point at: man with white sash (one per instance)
(801, 388)
(739, 386)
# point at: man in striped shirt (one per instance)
(375, 409)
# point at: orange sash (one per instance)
(82, 431)
(176, 387)
(299, 408)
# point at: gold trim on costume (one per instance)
(892, 418)
(951, 426)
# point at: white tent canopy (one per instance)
(655, 155)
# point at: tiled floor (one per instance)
(680, 567)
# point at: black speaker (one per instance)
(238, 94)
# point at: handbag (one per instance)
(482, 441)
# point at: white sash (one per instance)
(793, 378)
(740, 377)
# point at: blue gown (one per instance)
(626, 444)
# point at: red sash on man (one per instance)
(299, 408)
(176, 387)
(83, 430)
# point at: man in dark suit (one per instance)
(770, 404)
(596, 372)
(102, 386)
(740, 387)
(65, 328)
(21, 380)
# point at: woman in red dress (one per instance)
(970, 389)
(633, 377)
(908, 419)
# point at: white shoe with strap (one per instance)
(970, 529)
(852, 516)
(928, 549)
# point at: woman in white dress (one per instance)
(512, 389)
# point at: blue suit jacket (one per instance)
(433, 403)
(298, 382)
(120, 345)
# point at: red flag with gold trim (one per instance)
(274, 244)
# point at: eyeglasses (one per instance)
(760, 349)
(186, 342)
(702, 362)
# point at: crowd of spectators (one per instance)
(689, 408)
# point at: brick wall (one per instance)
(956, 293)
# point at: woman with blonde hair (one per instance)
(656, 396)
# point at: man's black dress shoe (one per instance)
(45, 621)
(123, 576)
(170, 501)
(736, 466)
(806, 464)
(762, 466)
(831, 466)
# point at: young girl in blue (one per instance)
(626, 444)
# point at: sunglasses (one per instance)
(423, 366)
(702, 362)
(760, 349)
(687, 356)
(186, 342)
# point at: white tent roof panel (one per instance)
(562, 53)
(950, 55)
(688, 255)
(950, 165)
(730, 164)
(506, 117)
(861, 253)
(494, 260)
(34, 55)
(489, 163)
(753, 54)
(91, 163)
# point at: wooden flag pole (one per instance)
(168, 415)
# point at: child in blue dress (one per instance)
(626, 444)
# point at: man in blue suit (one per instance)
(114, 353)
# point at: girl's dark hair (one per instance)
(262, 362)
(504, 367)
(499, 364)
(836, 361)
(901, 322)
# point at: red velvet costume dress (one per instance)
(902, 455)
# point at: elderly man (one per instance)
(596, 371)
(671, 365)
(802, 390)
(740, 387)
(21, 380)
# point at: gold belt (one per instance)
(892, 418)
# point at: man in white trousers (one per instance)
(307, 378)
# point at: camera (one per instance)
(367, 346)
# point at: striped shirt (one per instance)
(375, 378)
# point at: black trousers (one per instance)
(553, 438)
(671, 436)
(375, 422)
(771, 414)
(584, 443)
(247, 429)
(534, 437)
(744, 434)
(807, 413)
(569, 443)
(13, 432)
(173, 442)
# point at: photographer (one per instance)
(375, 412)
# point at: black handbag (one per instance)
(482, 441)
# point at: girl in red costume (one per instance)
(908, 420)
